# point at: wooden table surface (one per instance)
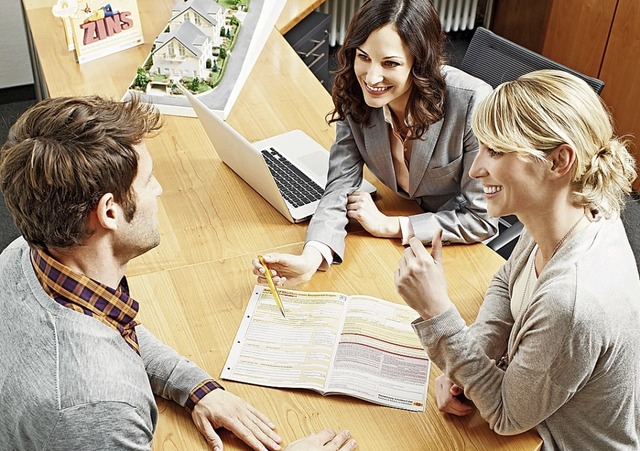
(197, 310)
(194, 287)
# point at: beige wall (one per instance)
(15, 69)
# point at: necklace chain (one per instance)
(533, 260)
(401, 127)
(566, 236)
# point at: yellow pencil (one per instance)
(272, 286)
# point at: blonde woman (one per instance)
(556, 344)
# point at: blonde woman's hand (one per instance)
(420, 278)
(450, 398)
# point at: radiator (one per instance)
(455, 15)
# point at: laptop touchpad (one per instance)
(316, 162)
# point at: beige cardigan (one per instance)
(573, 353)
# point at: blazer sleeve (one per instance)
(328, 224)
(464, 217)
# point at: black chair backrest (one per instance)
(631, 220)
(495, 60)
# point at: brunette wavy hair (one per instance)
(63, 155)
(418, 25)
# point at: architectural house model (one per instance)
(194, 31)
(208, 47)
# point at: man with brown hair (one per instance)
(78, 371)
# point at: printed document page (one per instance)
(293, 352)
(331, 343)
(379, 357)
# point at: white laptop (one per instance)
(293, 155)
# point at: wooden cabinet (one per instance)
(576, 33)
(522, 22)
(600, 38)
(310, 40)
(621, 71)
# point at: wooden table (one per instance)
(195, 286)
(197, 310)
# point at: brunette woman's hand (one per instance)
(289, 269)
(360, 206)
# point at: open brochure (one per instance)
(334, 344)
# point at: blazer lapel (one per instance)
(421, 152)
(376, 141)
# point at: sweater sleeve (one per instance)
(171, 375)
(546, 367)
(493, 325)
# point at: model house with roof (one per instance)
(193, 32)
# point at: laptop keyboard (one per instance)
(296, 187)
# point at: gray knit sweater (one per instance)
(573, 352)
(68, 381)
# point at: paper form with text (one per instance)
(331, 343)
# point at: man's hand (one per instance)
(360, 206)
(450, 398)
(326, 440)
(221, 409)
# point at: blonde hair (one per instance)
(542, 110)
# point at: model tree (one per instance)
(142, 78)
(194, 84)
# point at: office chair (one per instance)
(631, 220)
(495, 60)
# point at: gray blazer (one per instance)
(438, 172)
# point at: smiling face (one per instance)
(511, 184)
(383, 68)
